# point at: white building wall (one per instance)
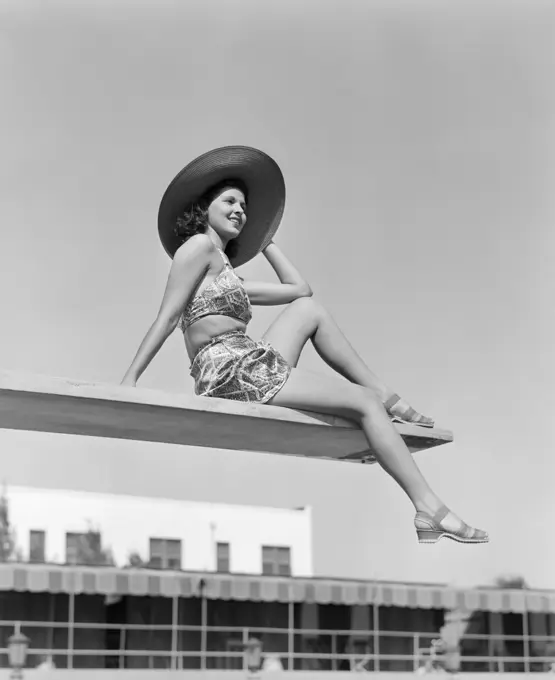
(126, 524)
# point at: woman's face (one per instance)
(227, 213)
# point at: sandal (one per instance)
(405, 414)
(430, 530)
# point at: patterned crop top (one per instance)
(225, 296)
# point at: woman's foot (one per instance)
(431, 527)
(402, 412)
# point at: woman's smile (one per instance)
(237, 220)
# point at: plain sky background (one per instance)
(417, 144)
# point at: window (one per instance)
(165, 553)
(222, 557)
(276, 561)
(84, 548)
(37, 542)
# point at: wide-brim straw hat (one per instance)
(266, 196)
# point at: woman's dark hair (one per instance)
(193, 220)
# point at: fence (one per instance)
(121, 646)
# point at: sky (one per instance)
(417, 143)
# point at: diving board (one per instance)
(61, 405)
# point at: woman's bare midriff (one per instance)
(201, 332)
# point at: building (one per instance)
(188, 603)
(52, 525)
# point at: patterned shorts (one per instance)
(234, 366)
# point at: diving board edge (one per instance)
(61, 405)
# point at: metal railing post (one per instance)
(291, 635)
(526, 641)
(175, 621)
(71, 630)
(415, 651)
(376, 627)
(203, 633)
(122, 645)
(491, 655)
(245, 639)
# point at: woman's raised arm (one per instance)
(285, 270)
(189, 266)
(292, 284)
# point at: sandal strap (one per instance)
(393, 399)
(411, 415)
(469, 532)
(465, 530)
(441, 514)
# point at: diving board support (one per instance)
(61, 405)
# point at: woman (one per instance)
(219, 212)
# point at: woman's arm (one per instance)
(292, 284)
(189, 266)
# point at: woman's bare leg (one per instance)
(306, 319)
(313, 392)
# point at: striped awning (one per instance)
(140, 582)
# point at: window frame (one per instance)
(169, 556)
(33, 533)
(226, 557)
(279, 561)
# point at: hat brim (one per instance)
(266, 196)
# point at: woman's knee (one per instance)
(370, 402)
(361, 401)
(308, 306)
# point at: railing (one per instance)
(95, 645)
